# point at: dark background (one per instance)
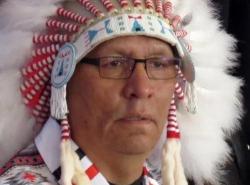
(235, 15)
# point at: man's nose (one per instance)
(138, 85)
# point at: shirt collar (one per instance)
(48, 144)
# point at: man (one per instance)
(122, 119)
(113, 75)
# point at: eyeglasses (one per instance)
(116, 67)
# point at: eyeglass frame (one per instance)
(97, 61)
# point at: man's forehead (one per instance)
(129, 44)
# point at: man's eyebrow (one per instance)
(160, 49)
(119, 49)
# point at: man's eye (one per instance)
(115, 63)
(112, 63)
(158, 64)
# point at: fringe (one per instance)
(58, 104)
(172, 169)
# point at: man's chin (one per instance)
(135, 147)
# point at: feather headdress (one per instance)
(30, 42)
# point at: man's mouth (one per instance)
(137, 119)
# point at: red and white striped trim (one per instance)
(175, 21)
(137, 3)
(172, 126)
(167, 10)
(149, 4)
(181, 33)
(40, 113)
(42, 107)
(108, 5)
(39, 63)
(71, 15)
(90, 7)
(55, 24)
(180, 74)
(43, 75)
(159, 8)
(123, 3)
(29, 93)
(35, 88)
(39, 103)
(65, 130)
(47, 50)
(51, 38)
(179, 92)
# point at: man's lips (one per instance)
(137, 118)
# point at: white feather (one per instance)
(219, 107)
(203, 144)
(17, 20)
(25, 15)
(14, 115)
(214, 49)
(15, 49)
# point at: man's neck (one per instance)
(139, 181)
(117, 168)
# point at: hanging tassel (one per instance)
(179, 171)
(172, 169)
(58, 104)
(80, 177)
(67, 163)
(168, 166)
(190, 100)
(72, 172)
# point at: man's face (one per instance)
(124, 116)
